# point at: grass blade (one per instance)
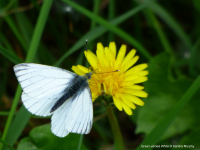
(30, 57)
(158, 131)
(111, 27)
(162, 13)
(98, 31)
(9, 55)
(12, 25)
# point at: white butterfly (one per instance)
(53, 91)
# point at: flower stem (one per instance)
(119, 143)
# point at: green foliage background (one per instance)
(53, 32)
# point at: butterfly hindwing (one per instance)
(58, 119)
(76, 115)
(81, 113)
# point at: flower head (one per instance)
(122, 84)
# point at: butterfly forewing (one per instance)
(42, 85)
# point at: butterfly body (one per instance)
(58, 92)
(76, 86)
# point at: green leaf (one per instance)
(156, 72)
(26, 143)
(20, 121)
(162, 95)
(191, 139)
(41, 138)
(5, 144)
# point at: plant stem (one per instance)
(119, 143)
(80, 142)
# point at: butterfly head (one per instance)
(89, 75)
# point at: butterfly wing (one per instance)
(42, 86)
(75, 115)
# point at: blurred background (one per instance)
(165, 35)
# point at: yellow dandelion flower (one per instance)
(121, 85)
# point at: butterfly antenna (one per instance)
(108, 72)
(87, 64)
(86, 44)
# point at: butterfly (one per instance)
(58, 92)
